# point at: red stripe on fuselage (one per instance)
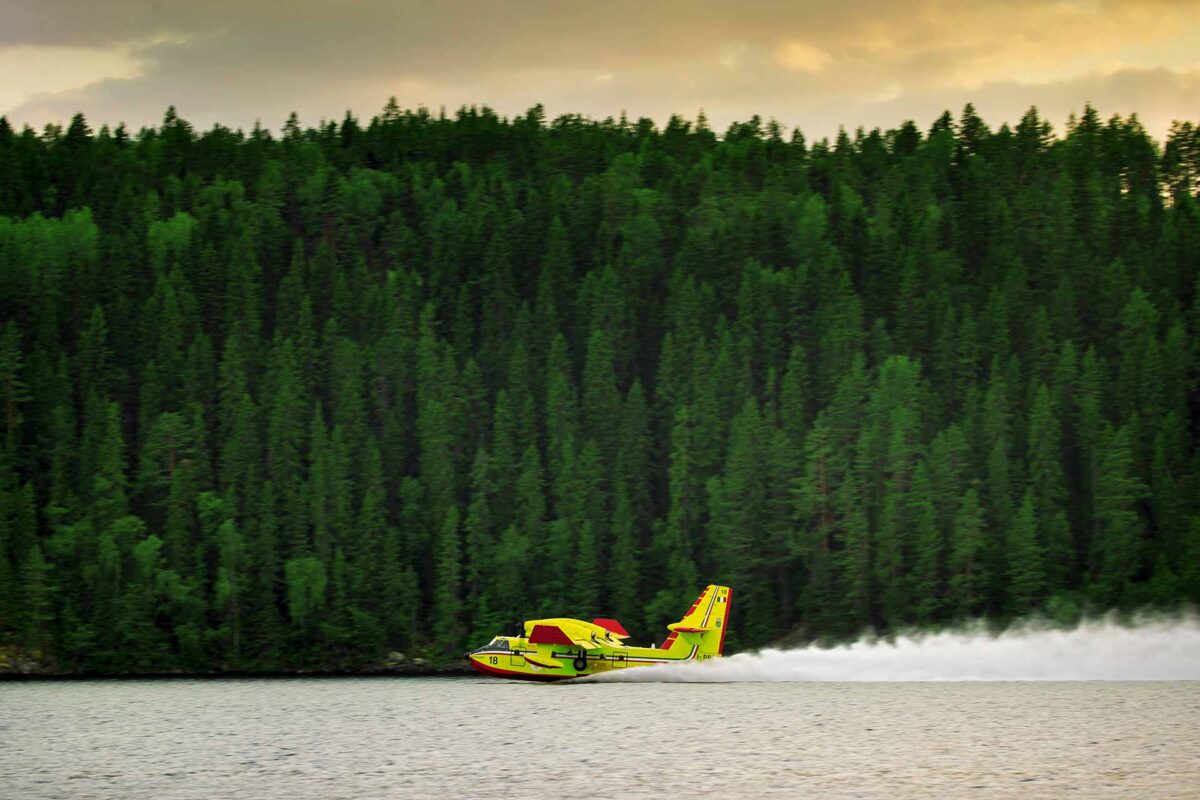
(508, 673)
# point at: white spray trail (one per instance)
(1100, 650)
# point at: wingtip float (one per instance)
(560, 648)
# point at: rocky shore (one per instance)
(18, 665)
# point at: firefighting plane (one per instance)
(558, 649)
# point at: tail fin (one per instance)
(701, 632)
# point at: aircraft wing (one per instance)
(613, 628)
(547, 633)
(576, 632)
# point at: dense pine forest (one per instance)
(296, 401)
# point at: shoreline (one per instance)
(383, 672)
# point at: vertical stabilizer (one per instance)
(701, 632)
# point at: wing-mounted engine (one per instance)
(612, 626)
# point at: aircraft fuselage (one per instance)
(561, 648)
(514, 657)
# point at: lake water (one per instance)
(444, 737)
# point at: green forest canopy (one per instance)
(290, 402)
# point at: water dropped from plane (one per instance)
(1098, 650)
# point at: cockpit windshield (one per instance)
(493, 646)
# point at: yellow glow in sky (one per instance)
(26, 71)
(816, 65)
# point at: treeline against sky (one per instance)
(300, 400)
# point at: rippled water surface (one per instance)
(407, 737)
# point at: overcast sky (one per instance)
(816, 65)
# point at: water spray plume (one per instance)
(1099, 650)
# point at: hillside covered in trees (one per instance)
(294, 401)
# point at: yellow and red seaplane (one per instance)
(559, 648)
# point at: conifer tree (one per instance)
(562, 405)
(739, 516)
(37, 600)
(600, 400)
(1046, 481)
(246, 381)
(966, 569)
(624, 576)
(634, 470)
(1026, 569)
(1119, 530)
(929, 554)
(447, 603)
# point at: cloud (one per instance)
(871, 62)
(802, 57)
(62, 23)
(26, 71)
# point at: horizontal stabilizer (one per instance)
(702, 629)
